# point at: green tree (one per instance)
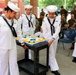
(27, 1)
(44, 3)
(69, 3)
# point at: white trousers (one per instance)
(8, 62)
(52, 60)
(74, 52)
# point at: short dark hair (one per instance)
(62, 7)
(42, 14)
(7, 8)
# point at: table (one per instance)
(34, 67)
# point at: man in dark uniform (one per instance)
(74, 11)
(42, 12)
(72, 24)
(64, 26)
(63, 11)
(40, 20)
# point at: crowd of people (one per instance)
(50, 26)
(70, 24)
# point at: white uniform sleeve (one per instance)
(20, 21)
(45, 30)
(0, 26)
(37, 34)
(34, 21)
(18, 30)
(57, 29)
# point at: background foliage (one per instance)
(44, 3)
(69, 3)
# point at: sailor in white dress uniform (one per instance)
(8, 50)
(51, 28)
(28, 21)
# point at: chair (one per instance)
(69, 34)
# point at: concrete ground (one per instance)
(67, 67)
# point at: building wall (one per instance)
(21, 6)
(20, 3)
(34, 3)
(2, 3)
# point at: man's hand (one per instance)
(72, 26)
(25, 47)
(50, 42)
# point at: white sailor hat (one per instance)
(28, 6)
(13, 6)
(51, 8)
(1, 9)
